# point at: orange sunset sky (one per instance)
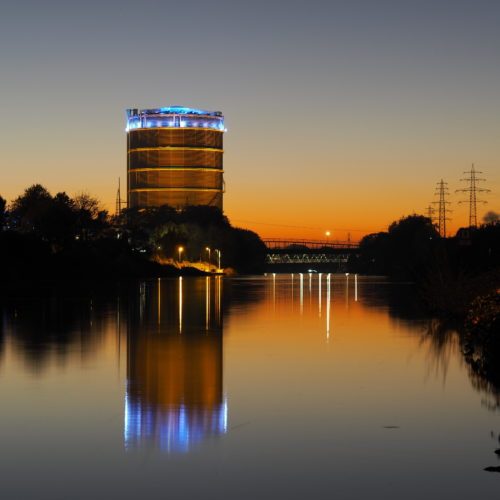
(341, 116)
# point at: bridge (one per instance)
(301, 251)
(280, 243)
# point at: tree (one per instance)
(203, 215)
(29, 209)
(84, 202)
(491, 217)
(403, 251)
(3, 212)
(51, 218)
(90, 218)
(59, 225)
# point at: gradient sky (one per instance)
(341, 115)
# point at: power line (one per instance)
(299, 227)
(472, 189)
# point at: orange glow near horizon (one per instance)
(281, 215)
(284, 192)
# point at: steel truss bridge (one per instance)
(282, 251)
(306, 258)
(277, 243)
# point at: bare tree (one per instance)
(491, 217)
(85, 202)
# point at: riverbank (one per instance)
(481, 346)
(27, 260)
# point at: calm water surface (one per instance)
(244, 388)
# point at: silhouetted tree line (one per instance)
(160, 231)
(56, 219)
(45, 236)
(402, 252)
(450, 272)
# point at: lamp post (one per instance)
(208, 250)
(180, 250)
(218, 256)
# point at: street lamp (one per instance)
(218, 255)
(208, 250)
(180, 250)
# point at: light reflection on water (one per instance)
(258, 387)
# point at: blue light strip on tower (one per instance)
(174, 117)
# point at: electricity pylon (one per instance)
(429, 212)
(119, 201)
(472, 189)
(443, 210)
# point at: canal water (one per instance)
(283, 386)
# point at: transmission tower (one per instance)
(429, 212)
(119, 201)
(443, 210)
(473, 189)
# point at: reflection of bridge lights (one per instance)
(301, 292)
(328, 306)
(319, 293)
(347, 290)
(274, 291)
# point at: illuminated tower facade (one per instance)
(174, 157)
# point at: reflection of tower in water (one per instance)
(175, 393)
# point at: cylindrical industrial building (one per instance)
(174, 157)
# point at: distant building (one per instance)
(174, 157)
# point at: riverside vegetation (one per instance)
(46, 237)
